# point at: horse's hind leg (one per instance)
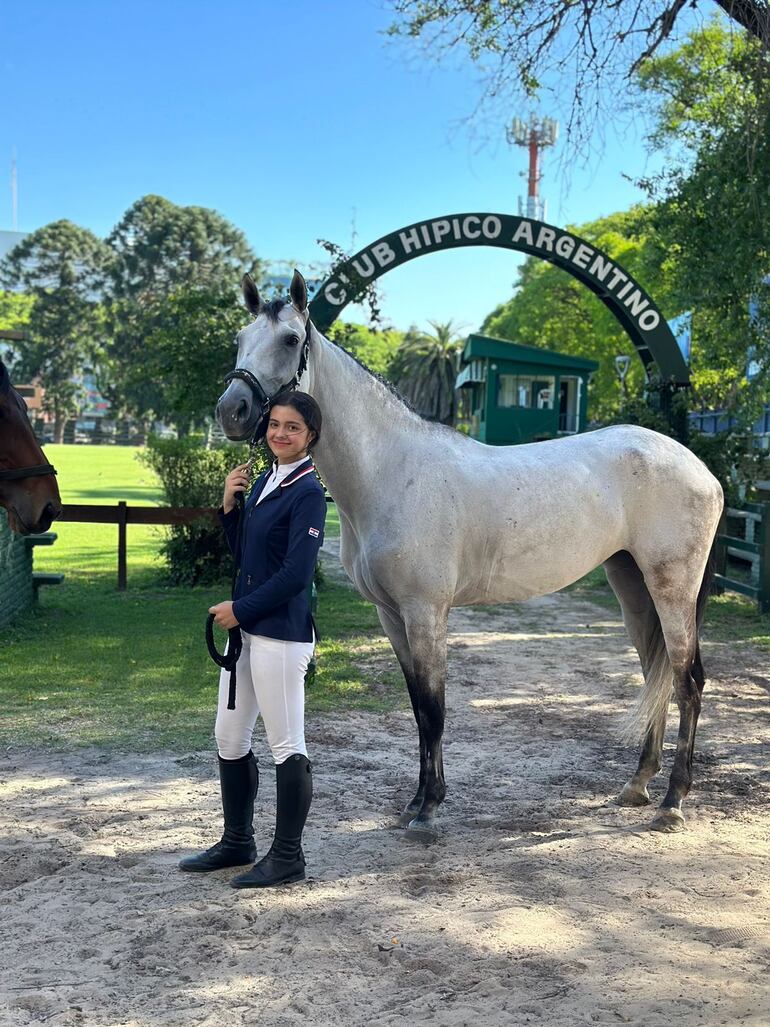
(680, 631)
(643, 626)
(680, 604)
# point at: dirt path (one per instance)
(541, 904)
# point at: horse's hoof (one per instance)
(407, 816)
(668, 821)
(631, 796)
(421, 831)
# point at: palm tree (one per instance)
(425, 369)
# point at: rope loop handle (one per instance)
(228, 659)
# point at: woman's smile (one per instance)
(287, 434)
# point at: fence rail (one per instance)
(122, 514)
(751, 548)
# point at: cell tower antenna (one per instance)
(535, 134)
(14, 194)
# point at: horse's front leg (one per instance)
(426, 636)
(395, 629)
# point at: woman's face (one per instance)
(287, 434)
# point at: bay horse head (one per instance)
(28, 489)
(272, 356)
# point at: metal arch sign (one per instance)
(617, 289)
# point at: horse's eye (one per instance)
(292, 340)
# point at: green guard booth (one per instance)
(517, 393)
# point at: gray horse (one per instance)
(431, 519)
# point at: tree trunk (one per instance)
(59, 424)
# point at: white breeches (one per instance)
(270, 682)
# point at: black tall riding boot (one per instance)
(285, 860)
(239, 780)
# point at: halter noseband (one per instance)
(260, 395)
(27, 472)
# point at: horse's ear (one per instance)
(250, 294)
(298, 292)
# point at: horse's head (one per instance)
(32, 500)
(272, 353)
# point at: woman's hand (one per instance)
(223, 615)
(236, 481)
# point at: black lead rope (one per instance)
(229, 659)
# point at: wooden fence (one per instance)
(744, 538)
(122, 514)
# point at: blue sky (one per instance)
(293, 120)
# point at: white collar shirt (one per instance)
(279, 473)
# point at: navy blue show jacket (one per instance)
(275, 546)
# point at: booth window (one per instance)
(523, 390)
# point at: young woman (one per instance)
(275, 543)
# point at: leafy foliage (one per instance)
(711, 221)
(187, 352)
(425, 369)
(191, 475)
(376, 349)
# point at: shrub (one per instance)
(191, 475)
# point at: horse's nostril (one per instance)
(242, 410)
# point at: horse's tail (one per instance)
(653, 700)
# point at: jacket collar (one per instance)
(306, 467)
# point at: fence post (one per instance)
(122, 521)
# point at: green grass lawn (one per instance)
(130, 670)
(102, 475)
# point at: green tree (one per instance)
(59, 267)
(553, 310)
(711, 220)
(160, 249)
(376, 349)
(15, 309)
(188, 351)
(425, 369)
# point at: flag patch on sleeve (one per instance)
(314, 532)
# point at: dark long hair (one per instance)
(306, 406)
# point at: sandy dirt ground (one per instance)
(542, 902)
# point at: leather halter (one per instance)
(260, 395)
(27, 472)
